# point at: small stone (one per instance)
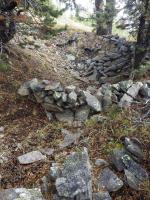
(133, 148)
(33, 84)
(82, 113)
(64, 97)
(49, 99)
(52, 107)
(1, 129)
(66, 116)
(101, 162)
(92, 101)
(132, 181)
(39, 96)
(24, 90)
(69, 138)
(102, 195)
(125, 85)
(133, 91)
(135, 168)
(57, 95)
(55, 86)
(54, 172)
(47, 151)
(116, 158)
(91, 89)
(70, 57)
(31, 157)
(145, 91)
(72, 97)
(70, 88)
(21, 194)
(109, 181)
(49, 115)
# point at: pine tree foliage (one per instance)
(11, 13)
(138, 22)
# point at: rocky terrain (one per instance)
(74, 125)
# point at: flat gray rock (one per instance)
(92, 101)
(109, 181)
(116, 158)
(101, 162)
(72, 97)
(82, 113)
(102, 195)
(133, 148)
(70, 88)
(21, 194)
(57, 95)
(47, 151)
(135, 168)
(31, 157)
(125, 85)
(66, 116)
(52, 107)
(132, 181)
(55, 86)
(24, 89)
(133, 91)
(75, 181)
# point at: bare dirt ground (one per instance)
(27, 128)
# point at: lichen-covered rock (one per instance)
(132, 92)
(135, 168)
(132, 180)
(102, 195)
(72, 97)
(82, 113)
(76, 177)
(116, 158)
(92, 101)
(109, 181)
(133, 148)
(21, 194)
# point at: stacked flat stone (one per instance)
(68, 104)
(111, 63)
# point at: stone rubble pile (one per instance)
(68, 104)
(111, 57)
(73, 180)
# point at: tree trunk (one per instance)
(100, 29)
(110, 13)
(143, 37)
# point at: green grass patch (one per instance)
(4, 65)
